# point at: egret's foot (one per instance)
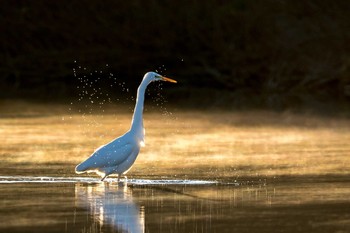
(119, 183)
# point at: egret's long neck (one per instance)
(137, 122)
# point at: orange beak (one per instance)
(168, 79)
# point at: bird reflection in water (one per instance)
(112, 205)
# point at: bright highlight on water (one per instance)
(89, 180)
(118, 156)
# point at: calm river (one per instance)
(199, 172)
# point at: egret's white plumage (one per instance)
(119, 155)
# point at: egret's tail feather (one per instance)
(81, 168)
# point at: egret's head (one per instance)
(153, 76)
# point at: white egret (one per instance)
(119, 155)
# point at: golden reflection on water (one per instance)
(308, 155)
(108, 207)
(188, 144)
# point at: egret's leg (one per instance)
(104, 178)
(118, 180)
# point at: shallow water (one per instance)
(199, 172)
(110, 207)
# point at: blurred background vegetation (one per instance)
(238, 54)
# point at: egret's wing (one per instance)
(109, 155)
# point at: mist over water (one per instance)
(199, 172)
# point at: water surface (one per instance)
(199, 172)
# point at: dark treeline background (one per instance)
(275, 54)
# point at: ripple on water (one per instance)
(46, 179)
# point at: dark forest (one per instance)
(225, 54)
